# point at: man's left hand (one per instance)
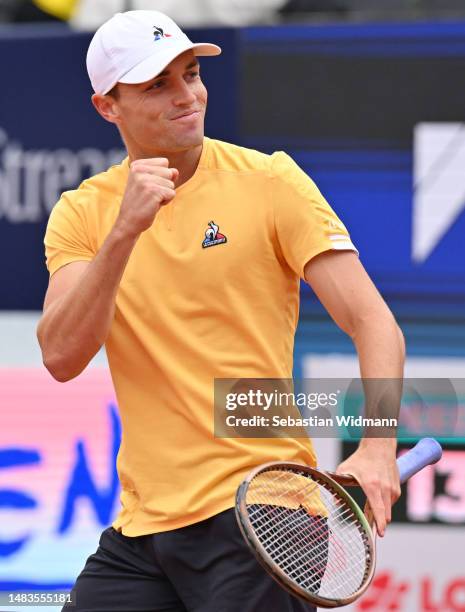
(374, 466)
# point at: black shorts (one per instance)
(205, 567)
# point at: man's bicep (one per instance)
(64, 279)
(343, 286)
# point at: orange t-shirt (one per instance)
(211, 290)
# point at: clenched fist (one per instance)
(150, 185)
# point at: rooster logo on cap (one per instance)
(158, 33)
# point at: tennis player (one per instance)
(185, 262)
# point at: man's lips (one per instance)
(187, 115)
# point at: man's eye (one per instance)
(157, 85)
(194, 74)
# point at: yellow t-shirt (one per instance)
(211, 290)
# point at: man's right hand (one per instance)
(151, 184)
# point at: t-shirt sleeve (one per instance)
(67, 238)
(305, 223)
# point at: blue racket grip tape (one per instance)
(425, 452)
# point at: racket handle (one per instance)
(425, 452)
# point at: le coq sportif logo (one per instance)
(159, 33)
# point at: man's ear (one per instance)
(107, 107)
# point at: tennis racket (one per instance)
(308, 532)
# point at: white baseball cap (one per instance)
(135, 46)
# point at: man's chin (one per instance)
(188, 141)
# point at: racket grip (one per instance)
(425, 452)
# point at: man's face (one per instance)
(166, 113)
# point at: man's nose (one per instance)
(183, 95)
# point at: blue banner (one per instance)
(356, 106)
(374, 114)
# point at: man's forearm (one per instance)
(76, 325)
(381, 350)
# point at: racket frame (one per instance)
(265, 559)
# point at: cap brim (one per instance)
(150, 67)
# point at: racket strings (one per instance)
(313, 535)
(296, 525)
(302, 551)
(280, 540)
(291, 559)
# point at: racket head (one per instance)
(294, 553)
